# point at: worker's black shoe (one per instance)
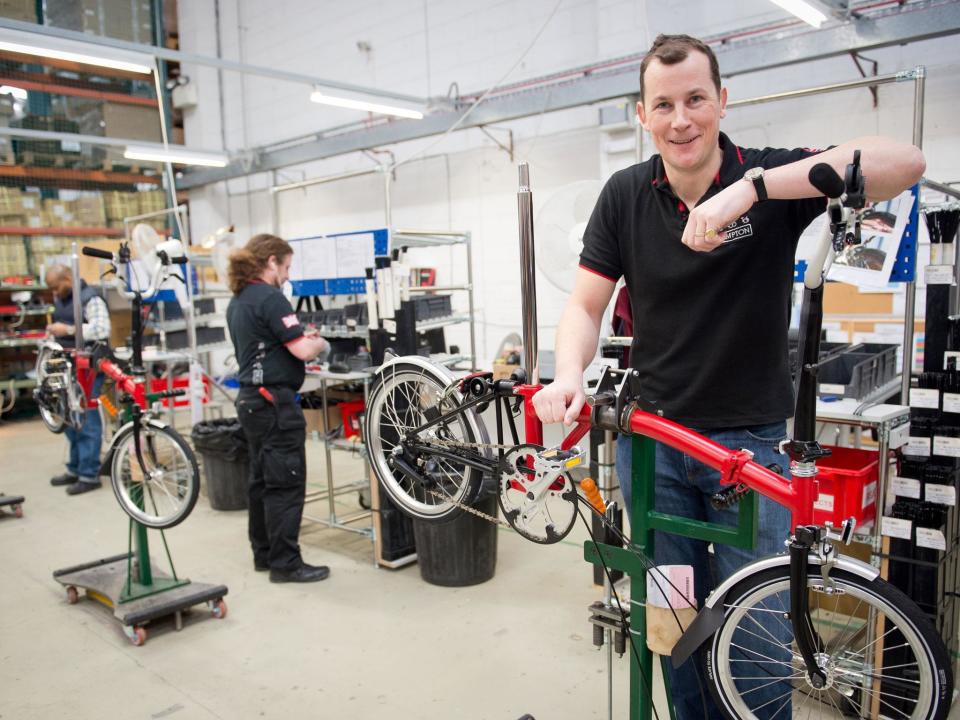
(260, 567)
(65, 479)
(81, 487)
(303, 574)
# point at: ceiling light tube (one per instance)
(803, 10)
(83, 53)
(176, 154)
(319, 97)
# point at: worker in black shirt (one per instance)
(271, 348)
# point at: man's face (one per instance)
(283, 271)
(681, 110)
(60, 286)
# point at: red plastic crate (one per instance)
(349, 414)
(181, 381)
(848, 486)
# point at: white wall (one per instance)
(466, 182)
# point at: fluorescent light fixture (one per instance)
(177, 154)
(27, 43)
(319, 97)
(18, 93)
(803, 10)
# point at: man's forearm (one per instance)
(576, 343)
(889, 167)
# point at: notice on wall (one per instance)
(930, 538)
(896, 528)
(951, 402)
(918, 446)
(946, 446)
(925, 398)
(942, 494)
(905, 487)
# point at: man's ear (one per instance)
(642, 115)
(723, 102)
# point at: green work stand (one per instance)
(644, 520)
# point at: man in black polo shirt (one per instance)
(704, 235)
(271, 348)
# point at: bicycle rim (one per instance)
(165, 495)
(878, 652)
(401, 401)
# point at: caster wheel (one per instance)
(18, 510)
(218, 609)
(73, 596)
(136, 635)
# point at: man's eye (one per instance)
(663, 106)
(695, 99)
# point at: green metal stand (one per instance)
(644, 520)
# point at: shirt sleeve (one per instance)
(281, 318)
(97, 316)
(601, 238)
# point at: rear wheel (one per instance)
(879, 653)
(52, 403)
(162, 492)
(406, 395)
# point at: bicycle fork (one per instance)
(808, 641)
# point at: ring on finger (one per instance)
(710, 233)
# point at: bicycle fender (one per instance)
(108, 455)
(711, 616)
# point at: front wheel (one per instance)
(162, 491)
(879, 653)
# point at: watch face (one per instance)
(753, 173)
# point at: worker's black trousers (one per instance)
(276, 432)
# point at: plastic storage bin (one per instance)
(848, 486)
(350, 415)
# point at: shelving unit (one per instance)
(16, 353)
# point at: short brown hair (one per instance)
(247, 263)
(673, 49)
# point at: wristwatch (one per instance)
(755, 175)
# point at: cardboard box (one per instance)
(843, 299)
(91, 267)
(131, 122)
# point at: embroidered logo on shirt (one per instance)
(291, 320)
(738, 230)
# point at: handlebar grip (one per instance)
(825, 179)
(179, 260)
(97, 252)
(172, 393)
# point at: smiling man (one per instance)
(704, 235)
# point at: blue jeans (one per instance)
(85, 442)
(684, 487)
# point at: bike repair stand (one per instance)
(14, 501)
(643, 521)
(128, 583)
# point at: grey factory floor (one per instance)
(367, 643)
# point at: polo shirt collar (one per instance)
(731, 166)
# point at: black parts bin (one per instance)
(460, 552)
(223, 447)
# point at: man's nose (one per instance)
(680, 119)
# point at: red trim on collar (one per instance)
(739, 155)
(680, 206)
(716, 178)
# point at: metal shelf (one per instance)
(22, 384)
(19, 342)
(427, 238)
(75, 178)
(31, 311)
(180, 324)
(61, 231)
(434, 323)
(13, 287)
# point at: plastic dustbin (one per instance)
(460, 552)
(223, 447)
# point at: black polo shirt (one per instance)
(261, 322)
(709, 329)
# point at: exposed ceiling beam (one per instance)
(913, 24)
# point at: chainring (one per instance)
(539, 503)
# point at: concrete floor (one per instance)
(367, 643)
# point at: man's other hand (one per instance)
(58, 329)
(560, 401)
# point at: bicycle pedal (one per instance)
(563, 459)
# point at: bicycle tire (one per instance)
(54, 419)
(919, 690)
(402, 391)
(125, 474)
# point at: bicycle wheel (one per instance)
(52, 404)
(164, 495)
(879, 652)
(406, 394)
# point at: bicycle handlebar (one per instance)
(97, 252)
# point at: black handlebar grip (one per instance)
(825, 179)
(179, 260)
(172, 393)
(97, 252)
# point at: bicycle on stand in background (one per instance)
(153, 472)
(810, 633)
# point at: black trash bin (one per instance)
(223, 447)
(460, 552)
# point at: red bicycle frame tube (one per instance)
(126, 383)
(734, 466)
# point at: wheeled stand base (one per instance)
(14, 501)
(105, 581)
